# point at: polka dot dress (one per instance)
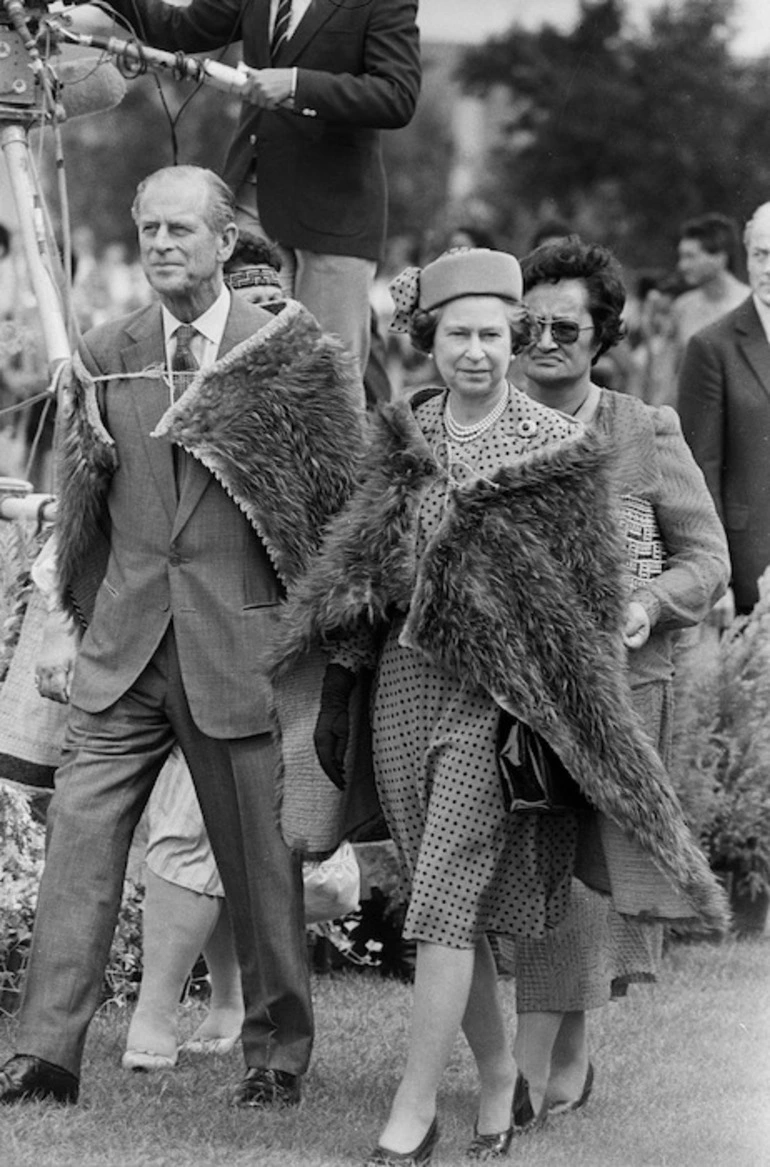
(471, 866)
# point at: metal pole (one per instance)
(31, 218)
(18, 502)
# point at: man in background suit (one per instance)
(724, 403)
(707, 255)
(188, 517)
(306, 160)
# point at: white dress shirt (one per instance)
(210, 327)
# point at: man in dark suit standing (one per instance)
(181, 522)
(306, 160)
(724, 403)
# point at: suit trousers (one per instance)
(335, 288)
(111, 761)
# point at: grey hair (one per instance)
(764, 210)
(220, 205)
(424, 322)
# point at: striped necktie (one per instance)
(280, 28)
(183, 365)
(183, 368)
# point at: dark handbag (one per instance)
(532, 776)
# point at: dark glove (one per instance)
(332, 728)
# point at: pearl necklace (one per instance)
(467, 433)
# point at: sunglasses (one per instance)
(562, 331)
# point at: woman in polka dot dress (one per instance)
(481, 554)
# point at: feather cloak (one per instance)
(275, 422)
(520, 591)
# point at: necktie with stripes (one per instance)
(183, 369)
(183, 364)
(280, 28)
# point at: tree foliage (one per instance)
(722, 760)
(157, 124)
(418, 159)
(635, 129)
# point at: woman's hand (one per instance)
(637, 627)
(333, 725)
(722, 614)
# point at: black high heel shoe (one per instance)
(485, 1148)
(382, 1157)
(524, 1117)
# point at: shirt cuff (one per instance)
(649, 602)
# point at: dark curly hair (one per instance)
(715, 233)
(599, 270)
(254, 251)
(423, 324)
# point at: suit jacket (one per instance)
(653, 465)
(320, 175)
(214, 559)
(724, 404)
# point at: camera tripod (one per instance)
(25, 96)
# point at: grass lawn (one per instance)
(682, 1080)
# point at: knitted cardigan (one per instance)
(519, 591)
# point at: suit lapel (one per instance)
(754, 344)
(195, 480)
(262, 39)
(150, 398)
(314, 18)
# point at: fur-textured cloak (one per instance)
(274, 420)
(520, 591)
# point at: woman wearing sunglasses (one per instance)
(677, 567)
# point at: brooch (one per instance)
(526, 428)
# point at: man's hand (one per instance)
(637, 627)
(267, 88)
(56, 659)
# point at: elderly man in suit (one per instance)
(182, 520)
(306, 160)
(724, 403)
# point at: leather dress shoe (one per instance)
(484, 1148)
(263, 1089)
(382, 1157)
(25, 1077)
